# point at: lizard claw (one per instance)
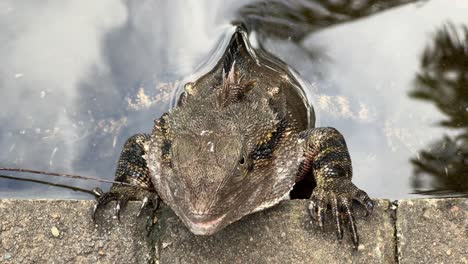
(143, 204)
(98, 192)
(102, 199)
(122, 194)
(339, 197)
(153, 199)
(364, 199)
(120, 204)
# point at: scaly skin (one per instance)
(240, 140)
(327, 158)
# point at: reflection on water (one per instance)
(78, 79)
(297, 19)
(443, 81)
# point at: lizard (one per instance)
(240, 139)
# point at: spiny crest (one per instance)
(251, 117)
(233, 89)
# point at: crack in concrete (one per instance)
(396, 238)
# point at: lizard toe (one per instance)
(362, 197)
(348, 209)
(123, 194)
(337, 216)
(317, 208)
(102, 200)
(338, 198)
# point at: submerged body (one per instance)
(240, 140)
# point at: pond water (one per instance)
(77, 79)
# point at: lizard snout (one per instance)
(202, 224)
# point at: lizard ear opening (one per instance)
(233, 89)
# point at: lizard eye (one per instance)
(245, 163)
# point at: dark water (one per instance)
(78, 79)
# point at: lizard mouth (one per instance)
(203, 225)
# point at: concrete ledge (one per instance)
(54, 231)
(433, 231)
(283, 234)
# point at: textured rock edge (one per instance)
(406, 215)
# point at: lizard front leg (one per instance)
(132, 169)
(328, 161)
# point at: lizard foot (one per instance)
(123, 194)
(339, 195)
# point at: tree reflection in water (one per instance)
(296, 19)
(442, 168)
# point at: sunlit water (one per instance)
(78, 78)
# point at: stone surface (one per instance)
(433, 231)
(282, 234)
(54, 231)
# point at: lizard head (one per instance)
(216, 163)
(227, 150)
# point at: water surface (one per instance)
(78, 79)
